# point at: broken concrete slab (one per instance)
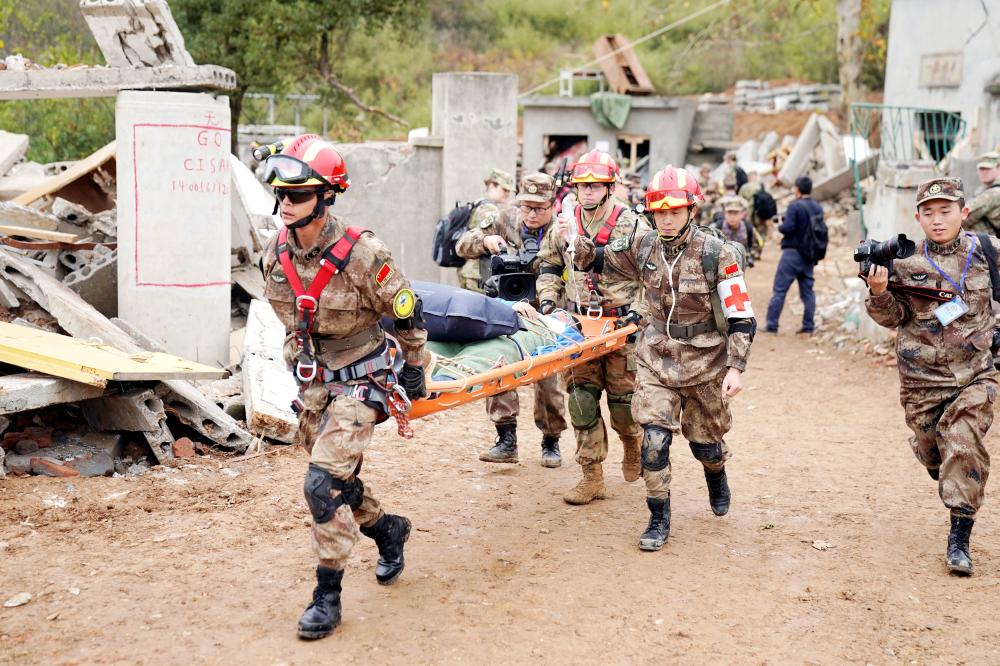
(12, 149)
(67, 211)
(8, 296)
(161, 441)
(19, 215)
(136, 33)
(109, 81)
(21, 178)
(135, 411)
(832, 146)
(26, 391)
(97, 283)
(111, 443)
(252, 208)
(797, 161)
(268, 386)
(843, 179)
(250, 280)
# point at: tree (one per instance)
(276, 45)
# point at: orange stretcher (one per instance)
(600, 338)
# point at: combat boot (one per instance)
(632, 462)
(659, 524)
(389, 533)
(718, 491)
(505, 448)
(323, 614)
(590, 487)
(550, 451)
(958, 545)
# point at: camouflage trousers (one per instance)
(336, 438)
(698, 412)
(949, 426)
(613, 373)
(550, 406)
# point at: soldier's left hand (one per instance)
(733, 383)
(412, 379)
(494, 244)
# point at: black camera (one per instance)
(511, 277)
(881, 253)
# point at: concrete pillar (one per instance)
(475, 113)
(174, 220)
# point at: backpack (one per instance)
(448, 230)
(815, 238)
(764, 206)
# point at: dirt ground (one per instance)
(210, 563)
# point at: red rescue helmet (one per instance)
(307, 162)
(673, 188)
(594, 167)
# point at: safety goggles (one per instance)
(595, 171)
(290, 171)
(295, 196)
(668, 199)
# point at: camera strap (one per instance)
(991, 262)
(959, 286)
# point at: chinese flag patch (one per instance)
(731, 269)
(383, 274)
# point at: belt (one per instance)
(616, 311)
(363, 368)
(683, 331)
(371, 334)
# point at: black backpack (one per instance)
(448, 230)
(815, 238)
(764, 206)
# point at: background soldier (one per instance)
(947, 380)
(341, 360)
(735, 228)
(531, 220)
(687, 368)
(984, 211)
(591, 293)
(499, 185)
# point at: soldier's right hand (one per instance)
(878, 279)
(563, 227)
(495, 244)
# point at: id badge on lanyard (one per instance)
(947, 313)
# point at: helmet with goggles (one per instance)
(307, 162)
(594, 167)
(673, 188)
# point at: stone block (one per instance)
(183, 448)
(51, 467)
(97, 282)
(98, 463)
(111, 443)
(18, 464)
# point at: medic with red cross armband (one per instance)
(697, 324)
(330, 285)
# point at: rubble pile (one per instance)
(775, 96)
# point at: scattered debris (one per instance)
(17, 600)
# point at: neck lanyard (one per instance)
(526, 233)
(968, 260)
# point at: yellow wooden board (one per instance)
(91, 362)
(81, 168)
(40, 234)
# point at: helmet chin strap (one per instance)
(679, 234)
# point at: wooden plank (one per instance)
(78, 170)
(19, 393)
(624, 72)
(91, 362)
(22, 216)
(42, 234)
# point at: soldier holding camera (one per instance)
(512, 277)
(939, 301)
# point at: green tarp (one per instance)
(610, 109)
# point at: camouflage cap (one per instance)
(990, 160)
(537, 188)
(940, 188)
(501, 178)
(734, 203)
(729, 178)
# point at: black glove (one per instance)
(631, 317)
(412, 379)
(546, 307)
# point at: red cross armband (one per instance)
(735, 298)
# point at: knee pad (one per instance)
(318, 490)
(584, 406)
(656, 448)
(707, 453)
(620, 407)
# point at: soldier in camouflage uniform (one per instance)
(499, 185)
(948, 384)
(984, 211)
(341, 360)
(687, 368)
(532, 219)
(591, 293)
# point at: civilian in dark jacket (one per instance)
(793, 266)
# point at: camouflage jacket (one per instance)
(673, 277)
(984, 211)
(929, 354)
(353, 301)
(567, 286)
(489, 218)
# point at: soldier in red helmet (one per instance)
(330, 284)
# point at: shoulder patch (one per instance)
(489, 219)
(383, 274)
(731, 269)
(619, 244)
(403, 303)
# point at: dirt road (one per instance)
(210, 563)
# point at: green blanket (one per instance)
(458, 360)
